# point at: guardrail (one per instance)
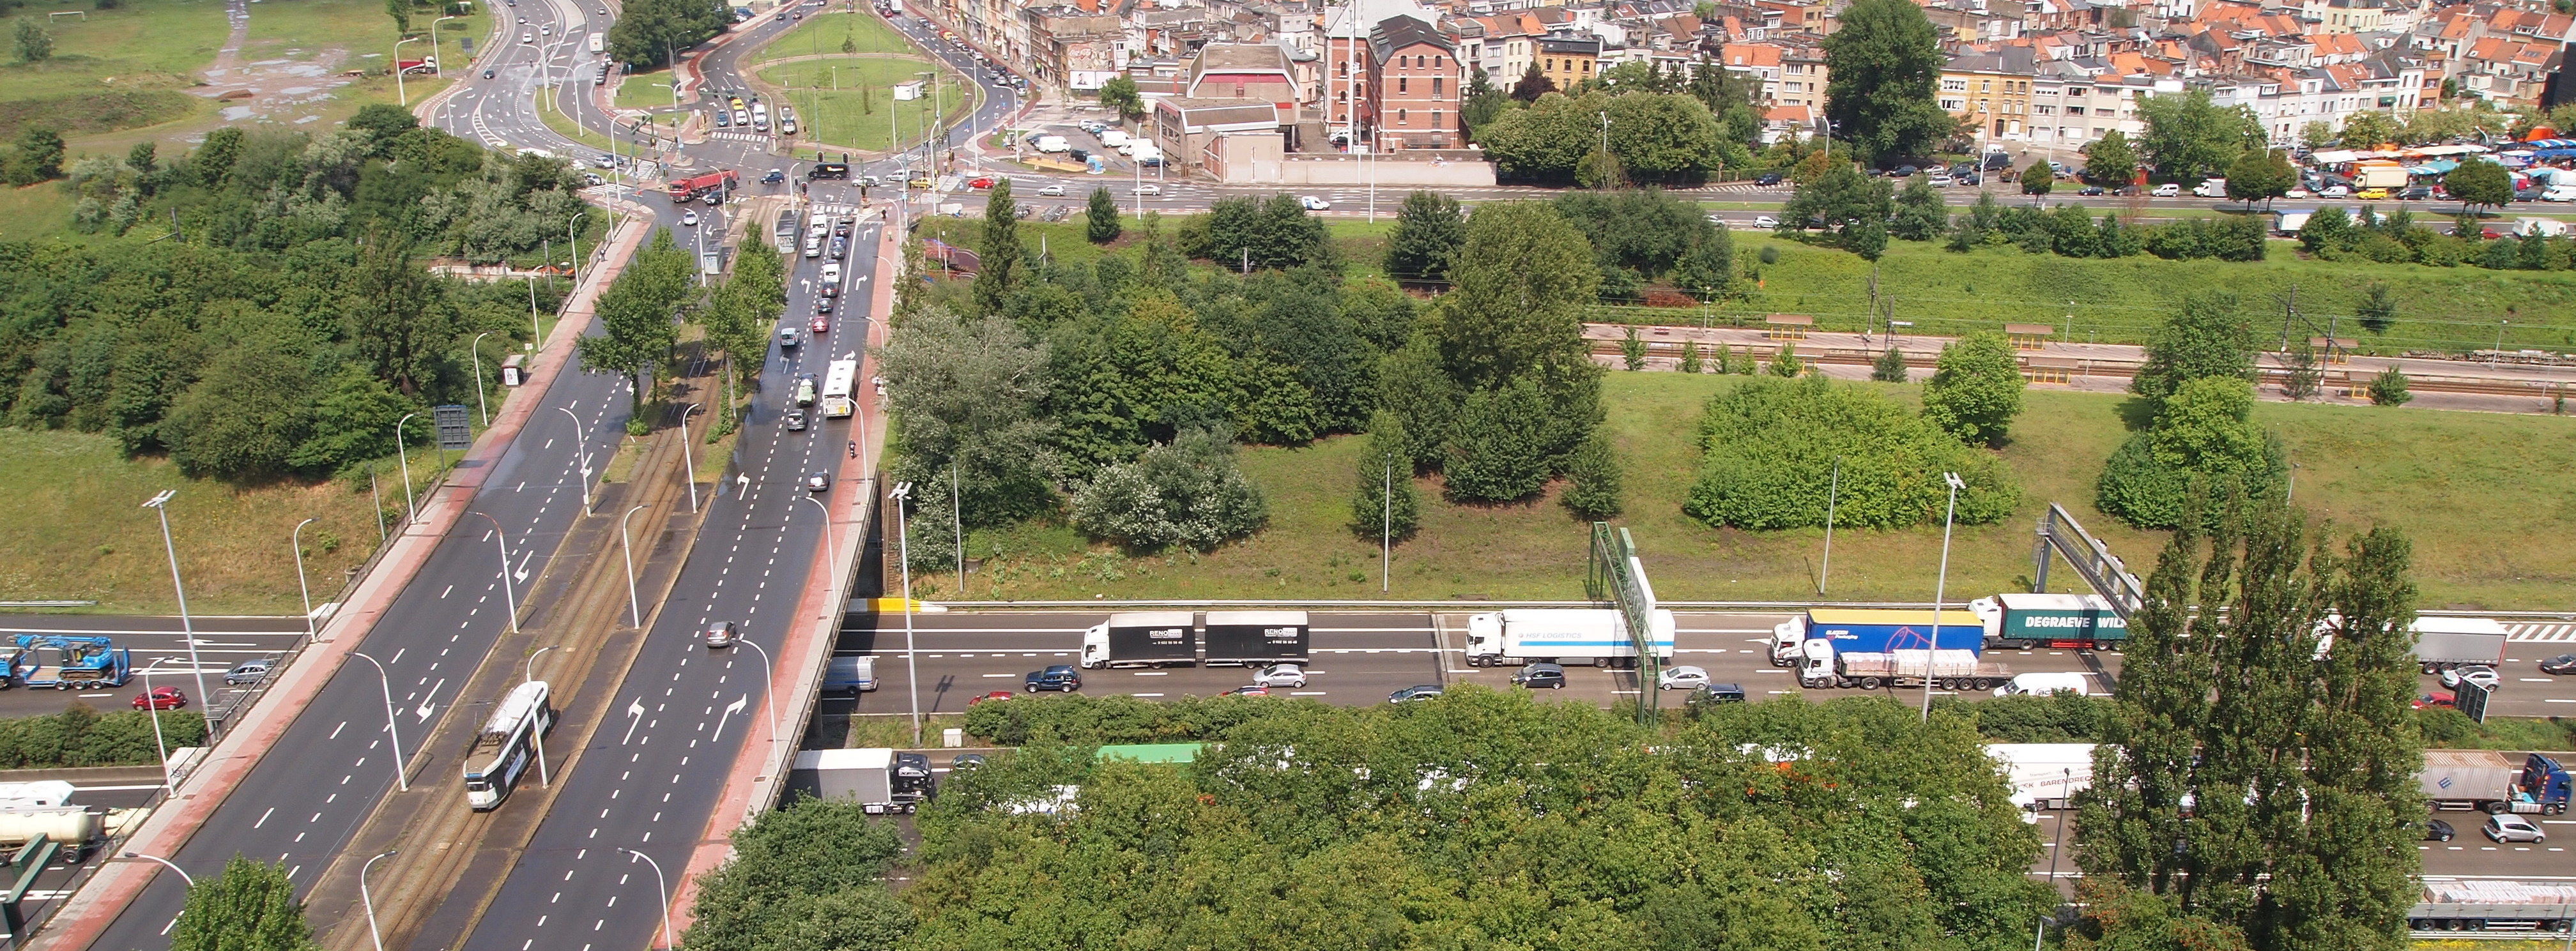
(1460, 604)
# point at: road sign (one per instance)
(468, 44)
(455, 427)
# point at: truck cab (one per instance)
(2211, 188)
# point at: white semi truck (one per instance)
(1582, 637)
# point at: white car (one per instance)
(688, 219)
(1765, 221)
(527, 37)
(1681, 678)
(1149, 189)
(1052, 191)
(2335, 191)
(2167, 190)
(1313, 203)
(2481, 676)
(1290, 676)
(1715, 220)
(548, 29)
(2513, 828)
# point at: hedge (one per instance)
(81, 736)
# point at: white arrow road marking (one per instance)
(635, 709)
(730, 709)
(425, 705)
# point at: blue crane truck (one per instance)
(67, 662)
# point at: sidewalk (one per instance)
(95, 905)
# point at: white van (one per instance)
(1113, 138)
(2044, 684)
(1053, 143)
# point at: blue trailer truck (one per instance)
(67, 662)
(1874, 631)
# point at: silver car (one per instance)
(2513, 828)
(1681, 678)
(2481, 676)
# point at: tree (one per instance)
(1532, 85)
(353, 421)
(2260, 175)
(636, 315)
(1767, 457)
(1690, 357)
(1889, 368)
(2111, 160)
(1428, 233)
(1594, 490)
(1120, 97)
(1976, 388)
(2377, 310)
(2389, 388)
(1387, 463)
(970, 392)
(647, 32)
(35, 45)
(1663, 137)
(2328, 229)
(1920, 215)
(1632, 351)
(2317, 135)
(2038, 179)
(2208, 337)
(250, 907)
(40, 152)
(1493, 454)
(1000, 249)
(245, 416)
(2479, 181)
(1102, 217)
(1707, 270)
(2203, 441)
(2189, 137)
(1184, 494)
(1785, 363)
(1867, 238)
(2370, 130)
(1843, 198)
(1519, 286)
(1273, 233)
(1883, 63)
(2305, 378)
(398, 319)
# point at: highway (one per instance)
(160, 650)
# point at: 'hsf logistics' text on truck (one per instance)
(1576, 636)
(1176, 639)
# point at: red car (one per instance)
(822, 325)
(161, 698)
(1249, 690)
(980, 183)
(995, 695)
(2437, 699)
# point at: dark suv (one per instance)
(1059, 677)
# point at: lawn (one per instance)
(2458, 482)
(646, 90)
(848, 101)
(142, 44)
(2119, 300)
(824, 33)
(35, 211)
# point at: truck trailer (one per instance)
(1257, 638)
(2490, 905)
(2493, 782)
(880, 780)
(2441, 643)
(1872, 630)
(2016, 621)
(1141, 639)
(1582, 637)
(1821, 665)
(684, 189)
(2044, 775)
(72, 827)
(67, 662)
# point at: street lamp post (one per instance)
(903, 553)
(159, 746)
(689, 468)
(370, 899)
(393, 735)
(508, 597)
(1940, 589)
(435, 67)
(1386, 532)
(1833, 494)
(767, 686)
(165, 863)
(311, 633)
(529, 673)
(399, 92)
(665, 895)
(411, 510)
(187, 627)
(581, 447)
(476, 349)
(627, 545)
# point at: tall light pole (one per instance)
(399, 91)
(1833, 494)
(311, 633)
(435, 67)
(392, 734)
(508, 597)
(159, 746)
(665, 899)
(476, 348)
(1940, 589)
(903, 554)
(827, 523)
(411, 511)
(957, 523)
(690, 467)
(165, 863)
(526, 674)
(1386, 532)
(370, 899)
(627, 545)
(187, 627)
(767, 687)
(581, 447)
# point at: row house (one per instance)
(2508, 72)
(2073, 103)
(1787, 75)
(1073, 47)
(1567, 58)
(1414, 70)
(1990, 92)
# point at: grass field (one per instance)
(646, 90)
(824, 33)
(2458, 482)
(848, 101)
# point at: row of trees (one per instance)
(81, 736)
(1670, 126)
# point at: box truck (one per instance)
(1141, 639)
(1257, 638)
(1874, 629)
(2015, 621)
(2491, 905)
(1571, 636)
(2493, 782)
(880, 780)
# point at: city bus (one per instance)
(598, 42)
(507, 745)
(837, 381)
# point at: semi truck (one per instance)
(2493, 782)
(2082, 621)
(1873, 630)
(2044, 775)
(1595, 637)
(1257, 638)
(2491, 905)
(1821, 665)
(2441, 643)
(67, 662)
(684, 189)
(73, 827)
(1141, 639)
(880, 780)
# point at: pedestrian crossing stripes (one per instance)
(2541, 633)
(738, 136)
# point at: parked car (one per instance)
(965, 761)
(2512, 828)
(2436, 830)
(1767, 179)
(161, 698)
(1290, 676)
(2335, 191)
(1413, 693)
(818, 481)
(1681, 678)
(2168, 190)
(2481, 676)
(1717, 693)
(2089, 191)
(1904, 170)
(2561, 664)
(248, 672)
(1058, 677)
(1537, 676)
(2437, 699)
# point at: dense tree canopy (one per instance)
(647, 33)
(1768, 449)
(1883, 63)
(2190, 138)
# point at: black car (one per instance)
(1059, 677)
(1904, 170)
(2089, 191)
(795, 420)
(2527, 194)
(1537, 676)
(2436, 830)
(1998, 161)
(2417, 193)
(487, 74)
(1719, 693)
(1767, 179)
(2561, 664)
(1415, 692)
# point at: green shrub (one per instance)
(1768, 455)
(81, 736)
(2205, 435)
(1086, 720)
(2056, 718)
